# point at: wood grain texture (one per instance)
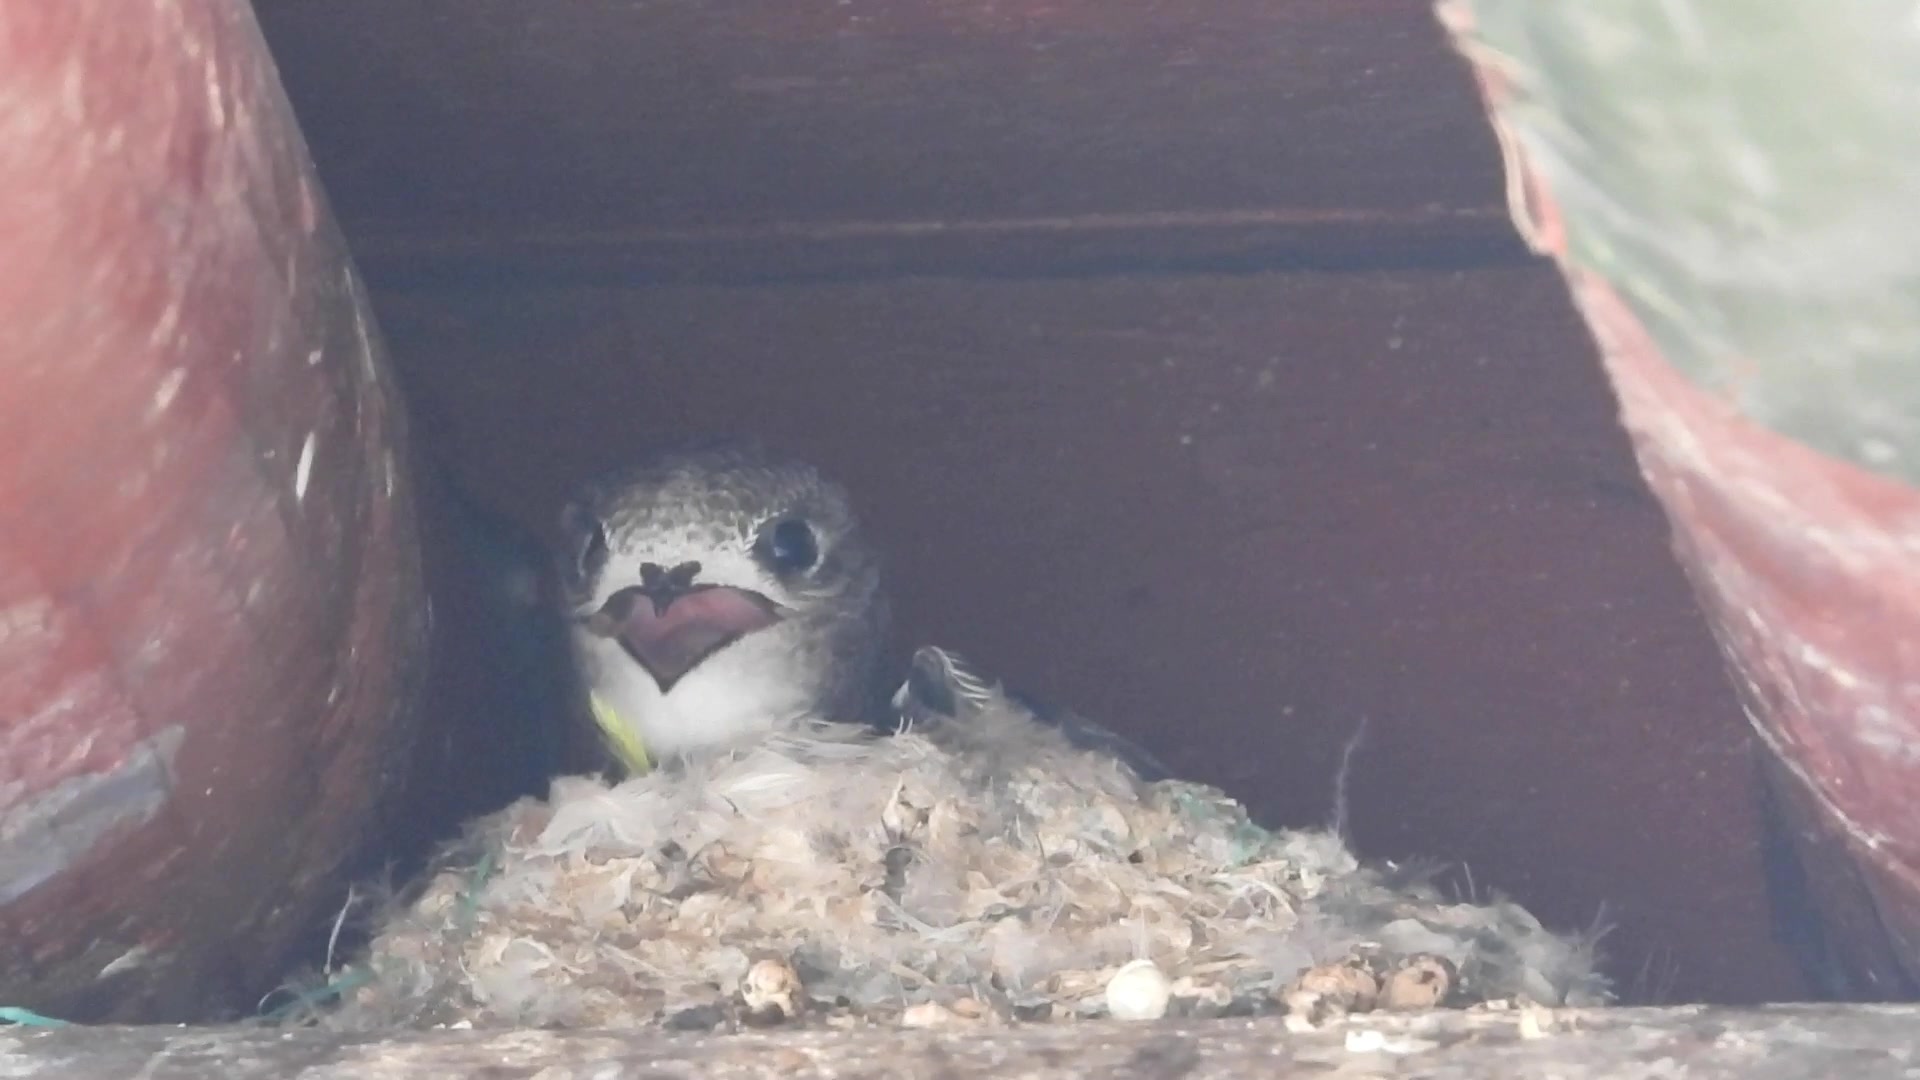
(210, 601)
(778, 138)
(1780, 1043)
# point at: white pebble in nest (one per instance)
(1139, 991)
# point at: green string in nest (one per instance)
(352, 978)
(14, 1014)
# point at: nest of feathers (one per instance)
(973, 871)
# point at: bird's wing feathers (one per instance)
(942, 687)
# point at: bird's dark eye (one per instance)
(589, 539)
(593, 553)
(789, 547)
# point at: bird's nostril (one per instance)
(654, 577)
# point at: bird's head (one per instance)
(728, 554)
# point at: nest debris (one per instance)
(969, 872)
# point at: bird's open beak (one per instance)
(670, 631)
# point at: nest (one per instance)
(975, 872)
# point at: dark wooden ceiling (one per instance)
(699, 140)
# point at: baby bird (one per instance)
(719, 591)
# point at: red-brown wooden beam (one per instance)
(1730, 193)
(211, 608)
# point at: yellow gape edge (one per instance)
(621, 739)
